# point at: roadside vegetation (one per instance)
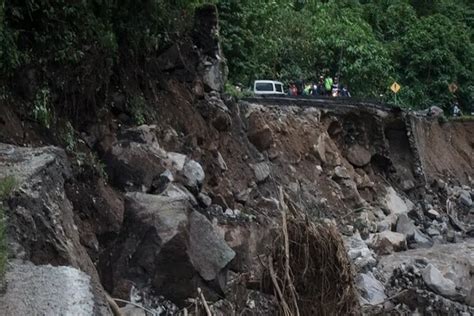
(7, 184)
(66, 57)
(424, 45)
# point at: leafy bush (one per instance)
(42, 110)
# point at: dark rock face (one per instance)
(41, 226)
(168, 242)
(212, 68)
(132, 165)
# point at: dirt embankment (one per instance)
(446, 149)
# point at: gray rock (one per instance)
(261, 171)
(370, 288)
(405, 225)
(221, 162)
(438, 283)
(358, 155)
(208, 251)
(166, 241)
(46, 290)
(193, 175)
(407, 184)
(465, 198)
(362, 257)
(41, 221)
(205, 199)
(341, 173)
(132, 165)
(431, 213)
(420, 240)
(431, 231)
(387, 242)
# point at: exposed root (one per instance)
(308, 269)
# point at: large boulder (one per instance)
(438, 283)
(387, 242)
(371, 290)
(170, 246)
(358, 155)
(135, 160)
(41, 226)
(46, 290)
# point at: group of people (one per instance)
(326, 86)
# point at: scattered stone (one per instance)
(394, 202)
(371, 290)
(221, 162)
(362, 257)
(405, 225)
(465, 198)
(438, 283)
(420, 240)
(387, 242)
(261, 171)
(193, 175)
(204, 199)
(341, 173)
(431, 213)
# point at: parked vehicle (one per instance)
(261, 87)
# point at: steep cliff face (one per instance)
(194, 199)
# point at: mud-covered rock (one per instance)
(358, 155)
(387, 242)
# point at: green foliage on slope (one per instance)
(77, 50)
(422, 44)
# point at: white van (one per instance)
(268, 87)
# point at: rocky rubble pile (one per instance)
(424, 261)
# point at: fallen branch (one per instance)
(204, 302)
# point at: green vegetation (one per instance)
(75, 52)
(42, 111)
(422, 44)
(7, 185)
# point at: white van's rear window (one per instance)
(278, 87)
(263, 86)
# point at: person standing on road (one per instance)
(315, 89)
(328, 85)
(344, 92)
(321, 88)
(456, 110)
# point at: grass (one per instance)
(7, 185)
(464, 118)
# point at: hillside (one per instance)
(150, 189)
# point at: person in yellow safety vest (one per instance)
(328, 85)
(307, 89)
